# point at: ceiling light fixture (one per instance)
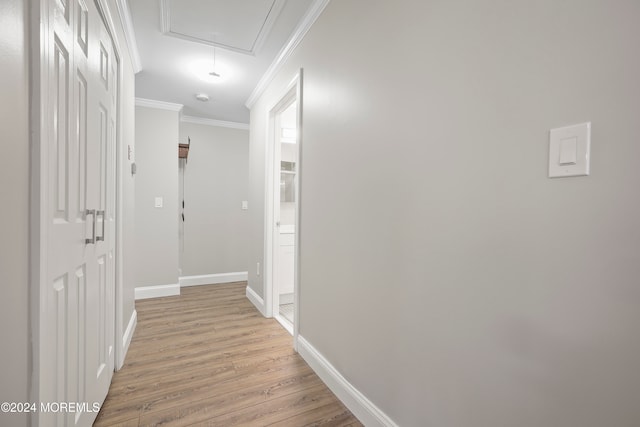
(202, 97)
(213, 73)
(200, 68)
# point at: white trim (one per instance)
(128, 335)
(39, 41)
(121, 168)
(161, 105)
(213, 279)
(108, 17)
(288, 326)
(303, 28)
(265, 31)
(292, 94)
(214, 122)
(286, 298)
(144, 292)
(364, 409)
(255, 300)
(105, 11)
(272, 17)
(129, 35)
(298, 216)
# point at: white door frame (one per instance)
(40, 47)
(120, 171)
(292, 93)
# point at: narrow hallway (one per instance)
(208, 357)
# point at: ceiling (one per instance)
(176, 40)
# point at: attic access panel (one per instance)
(241, 26)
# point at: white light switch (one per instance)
(158, 203)
(569, 151)
(245, 205)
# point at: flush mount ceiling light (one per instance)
(202, 97)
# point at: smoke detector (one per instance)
(202, 97)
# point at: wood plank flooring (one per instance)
(209, 358)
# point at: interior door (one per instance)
(76, 352)
(100, 256)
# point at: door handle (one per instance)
(91, 212)
(100, 238)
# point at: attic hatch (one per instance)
(183, 149)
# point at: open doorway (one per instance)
(283, 208)
(286, 138)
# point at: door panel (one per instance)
(60, 115)
(77, 304)
(81, 138)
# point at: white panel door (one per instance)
(76, 353)
(100, 256)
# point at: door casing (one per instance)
(292, 93)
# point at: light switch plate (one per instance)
(245, 205)
(158, 202)
(570, 151)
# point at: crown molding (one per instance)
(129, 34)
(305, 25)
(214, 122)
(161, 105)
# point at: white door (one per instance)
(76, 353)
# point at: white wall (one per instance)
(14, 184)
(442, 273)
(156, 229)
(216, 182)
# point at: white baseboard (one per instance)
(144, 292)
(368, 413)
(128, 334)
(285, 323)
(255, 300)
(286, 298)
(213, 279)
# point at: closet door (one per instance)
(76, 353)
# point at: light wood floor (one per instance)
(208, 357)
